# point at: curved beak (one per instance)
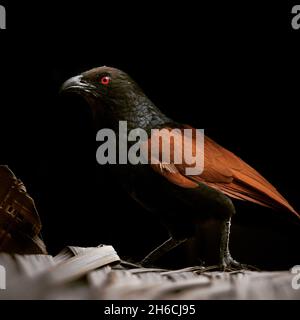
(72, 84)
(77, 84)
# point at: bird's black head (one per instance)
(104, 88)
(111, 93)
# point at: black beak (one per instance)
(79, 87)
(77, 84)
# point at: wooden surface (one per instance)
(96, 273)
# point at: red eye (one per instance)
(105, 80)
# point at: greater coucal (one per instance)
(180, 201)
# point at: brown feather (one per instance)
(223, 171)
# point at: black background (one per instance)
(228, 68)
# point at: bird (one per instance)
(178, 200)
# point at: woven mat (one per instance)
(99, 273)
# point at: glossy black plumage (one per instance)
(177, 200)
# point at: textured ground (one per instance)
(96, 273)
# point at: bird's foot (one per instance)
(228, 264)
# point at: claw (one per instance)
(228, 264)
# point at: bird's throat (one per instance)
(143, 114)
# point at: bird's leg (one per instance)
(161, 250)
(226, 261)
